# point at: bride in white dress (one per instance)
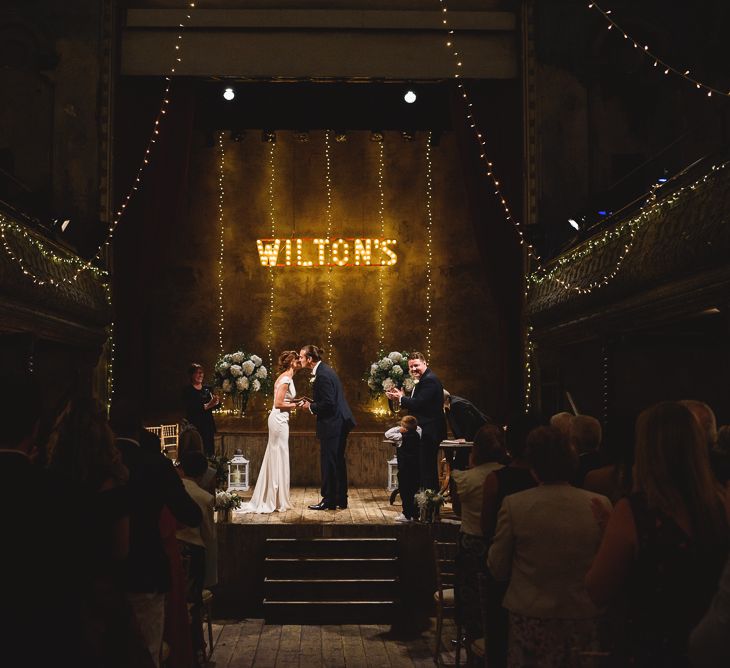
(272, 486)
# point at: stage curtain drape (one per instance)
(498, 115)
(142, 241)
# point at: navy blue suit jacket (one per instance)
(427, 406)
(329, 403)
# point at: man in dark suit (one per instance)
(426, 404)
(334, 422)
(465, 420)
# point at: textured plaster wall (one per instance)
(184, 317)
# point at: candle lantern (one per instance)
(238, 472)
(392, 474)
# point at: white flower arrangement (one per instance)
(389, 372)
(226, 500)
(239, 374)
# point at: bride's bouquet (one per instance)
(389, 372)
(239, 374)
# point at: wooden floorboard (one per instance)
(365, 506)
(251, 643)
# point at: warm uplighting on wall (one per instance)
(682, 72)
(429, 244)
(221, 240)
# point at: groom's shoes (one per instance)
(322, 506)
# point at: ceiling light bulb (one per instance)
(228, 94)
(410, 97)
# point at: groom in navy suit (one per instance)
(334, 422)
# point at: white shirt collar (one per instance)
(314, 370)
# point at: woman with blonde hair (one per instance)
(272, 487)
(665, 545)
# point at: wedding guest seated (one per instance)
(190, 440)
(545, 541)
(196, 543)
(486, 456)
(408, 439)
(153, 484)
(585, 437)
(513, 478)
(664, 545)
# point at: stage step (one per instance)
(331, 581)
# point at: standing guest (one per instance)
(709, 643)
(486, 456)
(561, 422)
(408, 441)
(190, 440)
(194, 542)
(615, 478)
(664, 545)
(199, 403)
(705, 416)
(426, 404)
(153, 484)
(545, 541)
(516, 477)
(334, 422)
(46, 565)
(585, 436)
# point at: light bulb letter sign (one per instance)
(317, 252)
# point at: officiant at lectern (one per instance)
(465, 420)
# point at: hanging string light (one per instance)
(272, 277)
(668, 69)
(626, 230)
(221, 235)
(479, 136)
(529, 350)
(429, 241)
(110, 351)
(328, 235)
(381, 269)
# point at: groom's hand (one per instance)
(305, 405)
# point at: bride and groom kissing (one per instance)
(334, 422)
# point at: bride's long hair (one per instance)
(287, 358)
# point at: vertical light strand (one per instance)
(221, 233)
(528, 368)
(272, 277)
(429, 240)
(381, 268)
(328, 235)
(110, 353)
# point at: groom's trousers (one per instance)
(334, 467)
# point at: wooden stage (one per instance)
(340, 546)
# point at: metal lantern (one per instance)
(238, 472)
(392, 474)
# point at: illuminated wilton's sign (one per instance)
(326, 252)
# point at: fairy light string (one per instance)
(480, 138)
(222, 237)
(429, 243)
(683, 73)
(381, 269)
(328, 235)
(272, 276)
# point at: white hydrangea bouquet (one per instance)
(238, 375)
(389, 372)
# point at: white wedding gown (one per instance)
(272, 486)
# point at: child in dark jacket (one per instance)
(408, 437)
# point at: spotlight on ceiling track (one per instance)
(574, 223)
(410, 97)
(229, 94)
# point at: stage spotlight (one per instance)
(268, 136)
(376, 135)
(61, 224)
(410, 97)
(228, 94)
(574, 223)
